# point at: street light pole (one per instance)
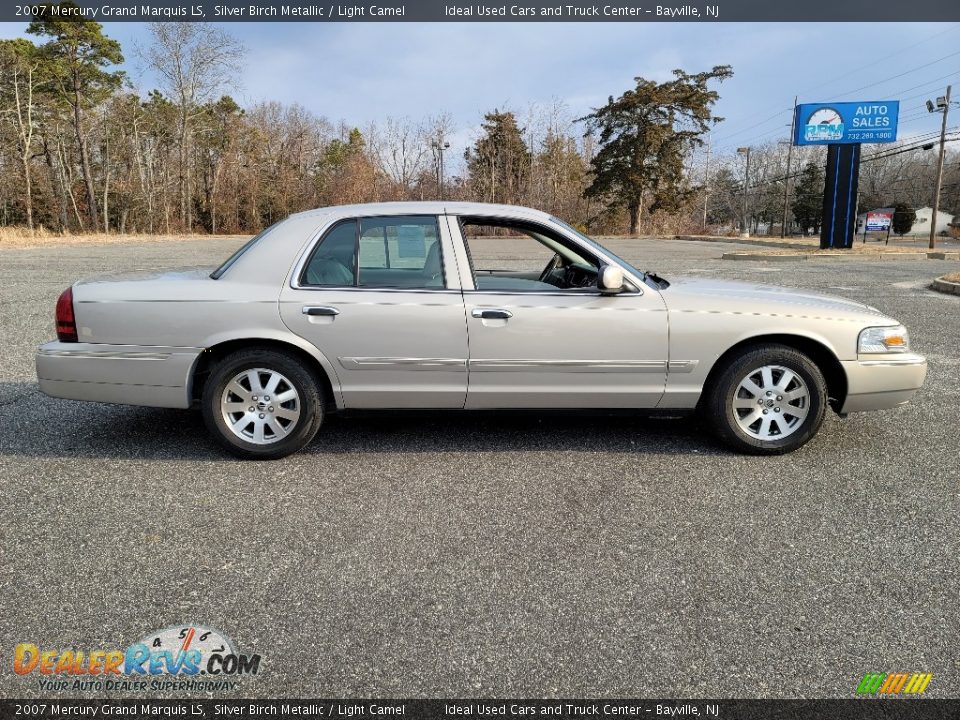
(744, 227)
(786, 181)
(440, 146)
(945, 109)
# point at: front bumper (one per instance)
(883, 382)
(124, 374)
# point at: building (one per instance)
(921, 226)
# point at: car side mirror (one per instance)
(610, 279)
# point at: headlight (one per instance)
(891, 339)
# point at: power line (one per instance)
(899, 75)
(926, 92)
(915, 144)
(900, 151)
(756, 125)
(885, 57)
(777, 114)
(913, 116)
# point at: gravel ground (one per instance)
(491, 555)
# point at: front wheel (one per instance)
(769, 400)
(262, 404)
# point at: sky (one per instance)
(362, 72)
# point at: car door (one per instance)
(536, 346)
(380, 297)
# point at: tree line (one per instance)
(900, 175)
(82, 151)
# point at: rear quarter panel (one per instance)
(190, 309)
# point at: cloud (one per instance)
(363, 72)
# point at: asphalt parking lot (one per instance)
(488, 556)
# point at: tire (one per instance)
(768, 400)
(284, 417)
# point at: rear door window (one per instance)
(379, 252)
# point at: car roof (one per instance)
(290, 236)
(427, 207)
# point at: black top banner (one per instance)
(304, 709)
(609, 11)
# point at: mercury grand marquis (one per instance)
(446, 305)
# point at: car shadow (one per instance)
(40, 426)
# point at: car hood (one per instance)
(687, 293)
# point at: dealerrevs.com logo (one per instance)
(188, 657)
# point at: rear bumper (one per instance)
(879, 384)
(124, 374)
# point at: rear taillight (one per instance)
(66, 324)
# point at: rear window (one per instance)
(239, 253)
(400, 252)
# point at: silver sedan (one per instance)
(465, 306)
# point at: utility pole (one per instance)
(786, 182)
(706, 182)
(440, 145)
(744, 227)
(945, 109)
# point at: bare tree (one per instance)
(194, 62)
(19, 65)
(400, 149)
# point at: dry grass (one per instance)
(20, 237)
(952, 277)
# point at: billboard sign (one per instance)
(846, 123)
(879, 220)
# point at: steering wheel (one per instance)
(551, 266)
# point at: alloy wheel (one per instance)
(260, 406)
(771, 402)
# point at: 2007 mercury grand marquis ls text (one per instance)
(463, 305)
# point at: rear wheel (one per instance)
(769, 400)
(262, 404)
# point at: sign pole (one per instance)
(839, 193)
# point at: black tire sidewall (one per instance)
(721, 401)
(305, 382)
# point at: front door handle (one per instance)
(491, 314)
(320, 310)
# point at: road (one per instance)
(530, 555)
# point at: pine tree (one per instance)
(903, 218)
(77, 55)
(498, 164)
(644, 136)
(807, 203)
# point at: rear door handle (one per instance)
(491, 314)
(319, 310)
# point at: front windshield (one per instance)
(597, 246)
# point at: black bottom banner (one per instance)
(865, 709)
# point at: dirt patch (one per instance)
(952, 277)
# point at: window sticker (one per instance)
(411, 241)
